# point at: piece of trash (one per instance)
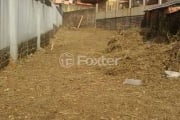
(32, 97)
(172, 74)
(42, 50)
(6, 90)
(132, 82)
(52, 46)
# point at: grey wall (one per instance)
(71, 19)
(119, 22)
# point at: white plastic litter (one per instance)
(172, 74)
(133, 82)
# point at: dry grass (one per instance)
(38, 88)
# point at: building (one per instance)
(163, 18)
(58, 1)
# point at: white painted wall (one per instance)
(25, 19)
(4, 24)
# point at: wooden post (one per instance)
(13, 29)
(80, 22)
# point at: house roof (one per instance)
(164, 5)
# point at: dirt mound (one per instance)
(173, 61)
(113, 44)
(173, 38)
(141, 58)
(149, 35)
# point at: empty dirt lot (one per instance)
(39, 88)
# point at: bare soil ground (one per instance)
(38, 88)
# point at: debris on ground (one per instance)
(113, 45)
(172, 74)
(172, 62)
(173, 38)
(140, 55)
(41, 50)
(132, 82)
(42, 89)
(153, 36)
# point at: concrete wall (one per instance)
(120, 22)
(71, 19)
(30, 46)
(119, 18)
(25, 26)
(25, 48)
(134, 11)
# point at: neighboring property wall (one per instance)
(72, 18)
(122, 14)
(120, 22)
(25, 25)
(161, 23)
(174, 22)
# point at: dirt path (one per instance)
(38, 88)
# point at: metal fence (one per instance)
(22, 20)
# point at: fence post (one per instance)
(144, 3)
(106, 9)
(117, 7)
(96, 12)
(130, 3)
(38, 24)
(160, 2)
(13, 30)
(96, 7)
